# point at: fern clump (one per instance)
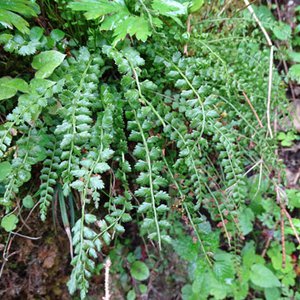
(156, 134)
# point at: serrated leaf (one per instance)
(144, 207)
(89, 218)
(162, 195)
(97, 183)
(101, 167)
(162, 208)
(133, 25)
(95, 9)
(119, 228)
(28, 49)
(78, 185)
(263, 277)
(282, 31)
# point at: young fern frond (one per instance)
(88, 184)
(49, 175)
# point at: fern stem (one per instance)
(150, 182)
(197, 234)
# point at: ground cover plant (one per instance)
(146, 138)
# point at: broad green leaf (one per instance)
(95, 9)
(195, 5)
(40, 85)
(294, 73)
(139, 271)
(57, 35)
(272, 293)
(282, 31)
(10, 86)
(5, 169)
(169, 8)
(9, 222)
(263, 277)
(36, 33)
(246, 218)
(294, 56)
(293, 197)
(46, 62)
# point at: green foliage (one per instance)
(46, 62)
(294, 73)
(287, 139)
(148, 148)
(9, 17)
(263, 277)
(9, 222)
(139, 271)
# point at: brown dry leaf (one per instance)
(49, 262)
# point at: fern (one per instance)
(49, 176)
(139, 133)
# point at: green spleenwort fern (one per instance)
(127, 128)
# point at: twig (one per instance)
(188, 29)
(282, 236)
(107, 268)
(253, 110)
(270, 237)
(278, 199)
(224, 8)
(270, 90)
(269, 42)
(249, 7)
(26, 236)
(292, 224)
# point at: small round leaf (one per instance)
(131, 295)
(139, 271)
(28, 202)
(9, 222)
